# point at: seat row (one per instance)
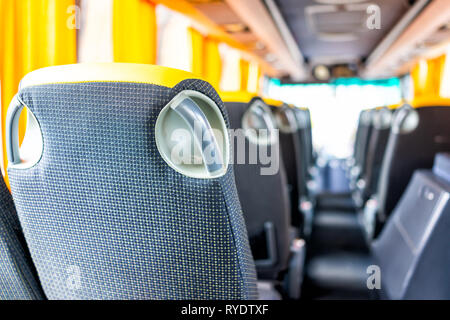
(391, 144)
(129, 185)
(105, 206)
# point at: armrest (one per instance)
(271, 247)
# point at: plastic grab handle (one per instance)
(12, 130)
(201, 130)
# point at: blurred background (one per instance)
(233, 45)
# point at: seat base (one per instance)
(340, 275)
(335, 201)
(338, 230)
(267, 291)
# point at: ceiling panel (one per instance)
(328, 31)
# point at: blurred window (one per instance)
(335, 108)
(174, 49)
(231, 70)
(445, 85)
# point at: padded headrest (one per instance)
(103, 204)
(366, 117)
(106, 72)
(395, 106)
(441, 166)
(382, 118)
(286, 119)
(273, 102)
(236, 96)
(430, 102)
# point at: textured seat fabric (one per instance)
(302, 149)
(411, 149)
(267, 291)
(335, 201)
(338, 230)
(105, 217)
(412, 250)
(441, 166)
(308, 137)
(340, 270)
(18, 279)
(290, 148)
(264, 198)
(365, 127)
(376, 149)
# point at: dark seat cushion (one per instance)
(337, 230)
(335, 201)
(340, 270)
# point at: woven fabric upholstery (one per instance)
(264, 198)
(17, 275)
(103, 202)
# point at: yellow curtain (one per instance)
(244, 66)
(419, 77)
(445, 84)
(33, 34)
(435, 75)
(197, 42)
(427, 77)
(134, 31)
(231, 70)
(212, 68)
(254, 75)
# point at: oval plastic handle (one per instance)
(12, 130)
(201, 130)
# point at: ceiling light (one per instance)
(321, 73)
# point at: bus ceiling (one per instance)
(344, 38)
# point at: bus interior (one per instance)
(225, 149)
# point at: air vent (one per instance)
(337, 2)
(204, 1)
(337, 23)
(235, 28)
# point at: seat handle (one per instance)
(201, 130)
(271, 247)
(12, 130)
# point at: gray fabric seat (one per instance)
(104, 214)
(362, 140)
(332, 201)
(265, 202)
(382, 120)
(345, 202)
(303, 149)
(18, 279)
(413, 249)
(340, 271)
(417, 135)
(293, 159)
(376, 146)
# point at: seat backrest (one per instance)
(18, 278)
(381, 123)
(357, 136)
(109, 209)
(303, 150)
(309, 141)
(264, 198)
(417, 135)
(362, 139)
(290, 148)
(441, 166)
(412, 251)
